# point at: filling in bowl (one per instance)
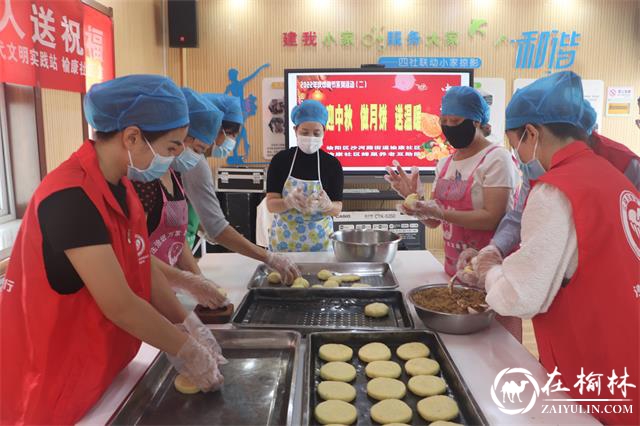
(461, 301)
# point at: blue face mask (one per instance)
(158, 167)
(533, 169)
(186, 161)
(225, 149)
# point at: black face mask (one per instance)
(460, 136)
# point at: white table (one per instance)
(479, 357)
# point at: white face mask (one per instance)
(309, 144)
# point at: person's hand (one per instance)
(205, 291)
(296, 200)
(319, 203)
(465, 273)
(198, 365)
(423, 210)
(486, 259)
(403, 183)
(283, 265)
(203, 335)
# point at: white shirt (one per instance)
(497, 171)
(527, 281)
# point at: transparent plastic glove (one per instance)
(319, 203)
(203, 335)
(296, 200)
(205, 291)
(423, 210)
(198, 365)
(282, 264)
(404, 183)
(465, 273)
(487, 258)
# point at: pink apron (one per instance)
(454, 194)
(167, 240)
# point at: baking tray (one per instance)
(470, 412)
(377, 275)
(309, 310)
(259, 387)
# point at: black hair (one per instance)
(559, 130)
(230, 127)
(150, 136)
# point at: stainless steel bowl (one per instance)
(365, 245)
(451, 323)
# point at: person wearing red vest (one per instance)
(577, 271)
(80, 294)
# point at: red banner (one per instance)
(55, 44)
(377, 118)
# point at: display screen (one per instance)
(377, 116)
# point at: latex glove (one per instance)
(404, 183)
(296, 200)
(282, 264)
(205, 291)
(486, 259)
(465, 273)
(319, 203)
(423, 210)
(203, 335)
(198, 365)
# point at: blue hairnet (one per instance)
(205, 119)
(467, 102)
(229, 105)
(589, 118)
(150, 102)
(557, 98)
(309, 110)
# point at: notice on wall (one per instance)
(593, 92)
(272, 116)
(619, 101)
(493, 91)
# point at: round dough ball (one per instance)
(317, 286)
(331, 283)
(300, 283)
(390, 411)
(324, 274)
(360, 285)
(443, 423)
(382, 388)
(184, 385)
(376, 310)
(274, 278)
(388, 369)
(422, 366)
(375, 351)
(412, 350)
(438, 407)
(427, 385)
(349, 278)
(335, 352)
(340, 391)
(396, 424)
(411, 200)
(338, 371)
(339, 412)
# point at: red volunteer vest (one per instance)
(593, 321)
(615, 153)
(59, 353)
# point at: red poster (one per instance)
(375, 118)
(55, 44)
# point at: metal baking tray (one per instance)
(309, 310)
(377, 275)
(259, 387)
(470, 412)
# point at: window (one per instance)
(7, 207)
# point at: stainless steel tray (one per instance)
(456, 388)
(309, 310)
(377, 275)
(259, 386)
